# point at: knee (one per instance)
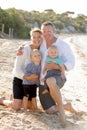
(16, 105)
(51, 82)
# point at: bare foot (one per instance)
(11, 97)
(63, 124)
(62, 117)
(1, 100)
(63, 120)
(68, 107)
(81, 113)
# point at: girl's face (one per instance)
(36, 39)
(53, 53)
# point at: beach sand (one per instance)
(75, 91)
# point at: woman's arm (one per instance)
(28, 73)
(32, 77)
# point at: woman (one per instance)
(18, 70)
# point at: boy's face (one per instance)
(53, 53)
(36, 39)
(36, 57)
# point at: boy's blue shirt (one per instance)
(56, 60)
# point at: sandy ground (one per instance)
(75, 91)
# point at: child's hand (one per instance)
(42, 81)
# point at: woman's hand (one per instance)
(20, 50)
(33, 77)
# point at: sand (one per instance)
(75, 91)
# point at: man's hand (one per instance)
(53, 66)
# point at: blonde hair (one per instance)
(53, 47)
(34, 51)
(35, 30)
(47, 23)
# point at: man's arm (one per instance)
(53, 66)
(68, 58)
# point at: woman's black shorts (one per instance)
(18, 91)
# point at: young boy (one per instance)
(30, 87)
(53, 57)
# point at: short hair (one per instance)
(35, 30)
(34, 51)
(53, 47)
(47, 23)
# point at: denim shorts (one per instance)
(60, 81)
(51, 73)
(57, 75)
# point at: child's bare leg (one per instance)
(34, 103)
(25, 102)
(56, 95)
(29, 104)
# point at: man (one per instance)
(68, 58)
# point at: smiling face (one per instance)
(36, 38)
(35, 56)
(48, 30)
(53, 52)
